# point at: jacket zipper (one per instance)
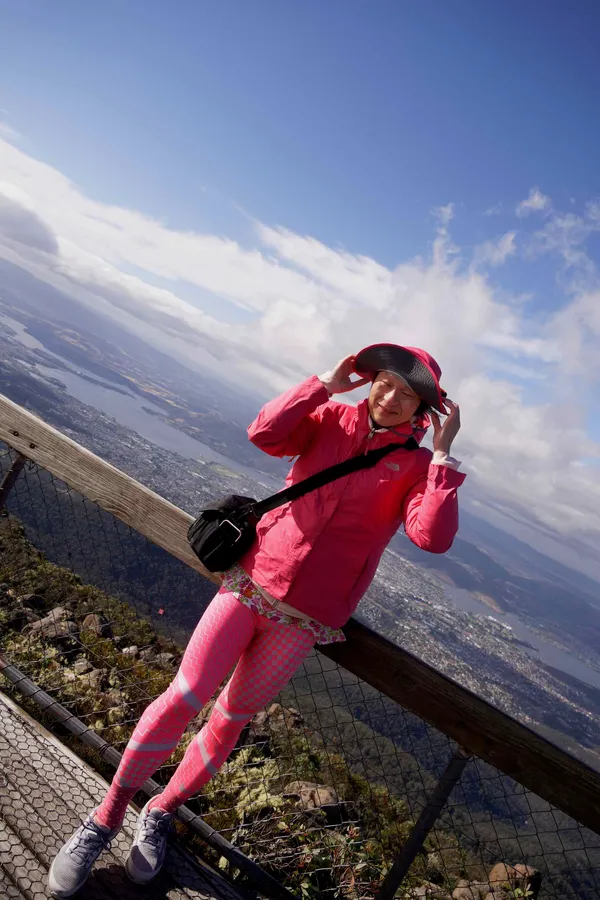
(369, 438)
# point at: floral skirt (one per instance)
(237, 581)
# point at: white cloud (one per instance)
(494, 253)
(592, 211)
(536, 202)
(23, 226)
(577, 326)
(565, 234)
(8, 133)
(494, 210)
(307, 304)
(444, 214)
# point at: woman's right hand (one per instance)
(337, 381)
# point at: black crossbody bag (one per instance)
(226, 529)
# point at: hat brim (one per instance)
(400, 361)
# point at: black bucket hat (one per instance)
(417, 367)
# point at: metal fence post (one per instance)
(11, 476)
(424, 824)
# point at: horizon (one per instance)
(437, 188)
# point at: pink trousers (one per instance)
(267, 654)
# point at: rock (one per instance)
(97, 625)
(462, 892)
(502, 876)
(259, 721)
(430, 891)
(275, 717)
(165, 660)
(288, 713)
(480, 888)
(34, 601)
(470, 890)
(148, 655)
(97, 679)
(82, 665)
(131, 651)
(275, 721)
(505, 877)
(54, 626)
(311, 795)
(531, 877)
(58, 614)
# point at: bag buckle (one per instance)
(235, 529)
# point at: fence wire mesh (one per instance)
(325, 785)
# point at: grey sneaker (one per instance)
(73, 862)
(149, 846)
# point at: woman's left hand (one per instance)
(444, 434)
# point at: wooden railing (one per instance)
(474, 724)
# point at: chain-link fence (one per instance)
(326, 785)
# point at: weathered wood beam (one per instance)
(474, 724)
(150, 514)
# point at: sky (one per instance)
(266, 187)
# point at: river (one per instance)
(544, 651)
(130, 410)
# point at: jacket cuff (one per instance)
(314, 382)
(441, 458)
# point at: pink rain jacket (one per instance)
(320, 552)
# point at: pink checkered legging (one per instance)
(267, 655)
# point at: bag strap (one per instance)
(331, 473)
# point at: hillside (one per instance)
(376, 761)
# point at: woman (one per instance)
(300, 582)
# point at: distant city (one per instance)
(508, 623)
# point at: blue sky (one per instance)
(295, 178)
(348, 120)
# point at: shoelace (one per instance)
(91, 840)
(154, 830)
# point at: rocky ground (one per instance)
(302, 810)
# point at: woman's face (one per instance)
(391, 401)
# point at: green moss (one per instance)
(246, 800)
